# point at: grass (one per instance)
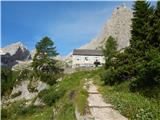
(61, 98)
(81, 102)
(18, 111)
(132, 105)
(8, 80)
(75, 96)
(44, 113)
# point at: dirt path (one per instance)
(98, 108)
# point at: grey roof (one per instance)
(87, 52)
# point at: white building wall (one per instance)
(82, 60)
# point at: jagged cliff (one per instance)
(11, 53)
(118, 26)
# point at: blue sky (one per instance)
(69, 24)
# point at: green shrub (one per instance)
(49, 78)
(115, 76)
(4, 114)
(32, 87)
(133, 106)
(8, 80)
(20, 111)
(107, 76)
(11, 112)
(25, 74)
(16, 94)
(51, 95)
(148, 79)
(28, 110)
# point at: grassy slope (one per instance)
(132, 105)
(74, 97)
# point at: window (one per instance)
(78, 58)
(86, 58)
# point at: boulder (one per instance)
(21, 91)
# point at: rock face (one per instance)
(118, 26)
(13, 52)
(20, 65)
(21, 91)
(33, 52)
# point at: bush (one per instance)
(4, 113)
(107, 77)
(49, 78)
(26, 74)
(115, 76)
(148, 79)
(133, 106)
(12, 111)
(19, 110)
(28, 110)
(31, 87)
(8, 80)
(16, 94)
(51, 95)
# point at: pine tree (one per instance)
(154, 30)
(141, 15)
(109, 50)
(45, 49)
(157, 24)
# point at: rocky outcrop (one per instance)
(21, 91)
(33, 52)
(118, 26)
(20, 65)
(13, 52)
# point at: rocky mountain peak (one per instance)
(11, 53)
(118, 26)
(12, 48)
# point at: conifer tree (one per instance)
(109, 50)
(45, 49)
(141, 15)
(157, 24)
(154, 30)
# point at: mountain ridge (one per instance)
(118, 26)
(13, 52)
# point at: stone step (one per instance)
(106, 114)
(93, 93)
(106, 106)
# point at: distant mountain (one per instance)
(11, 53)
(17, 56)
(118, 26)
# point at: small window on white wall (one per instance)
(78, 58)
(86, 58)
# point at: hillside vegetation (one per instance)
(67, 95)
(130, 79)
(61, 100)
(139, 63)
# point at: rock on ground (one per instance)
(22, 87)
